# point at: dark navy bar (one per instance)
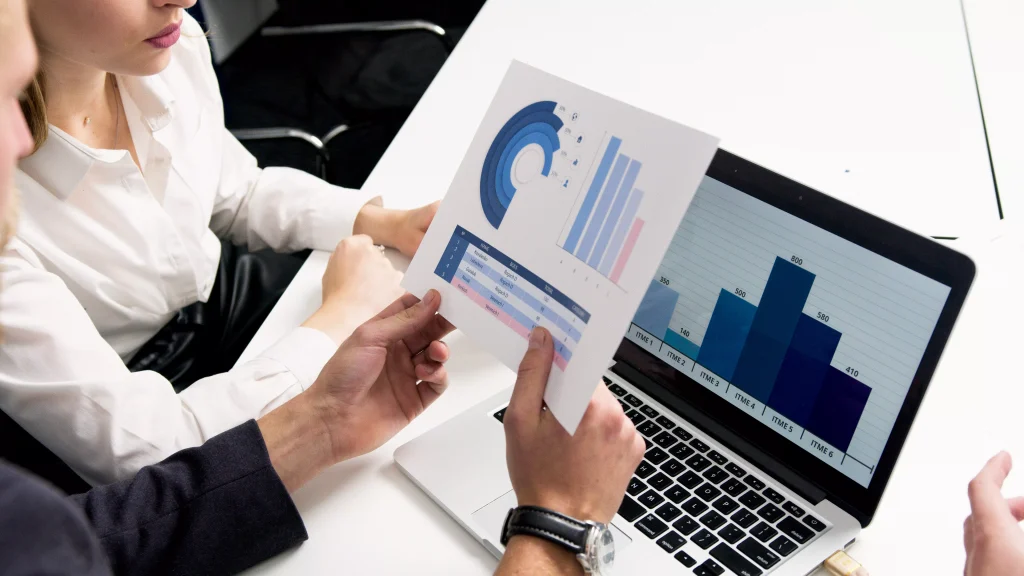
(778, 312)
(803, 371)
(460, 243)
(838, 409)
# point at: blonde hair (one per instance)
(33, 105)
(9, 220)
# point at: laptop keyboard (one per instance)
(713, 516)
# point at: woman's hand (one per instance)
(401, 229)
(384, 375)
(359, 282)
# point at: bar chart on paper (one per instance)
(493, 249)
(512, 294)
(603, 226)
(790, 324)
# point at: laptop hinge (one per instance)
(787, 476)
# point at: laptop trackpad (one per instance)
(491, 517)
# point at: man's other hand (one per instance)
(583, 475)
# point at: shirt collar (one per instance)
(153, 97)
(62, 162)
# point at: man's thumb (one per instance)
(528, 395)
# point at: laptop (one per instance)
(774, 368)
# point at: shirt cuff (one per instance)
(324, 213)
(304, 352)
(336, 215)
(335, 211)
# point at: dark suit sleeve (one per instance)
(41, 533)
(216, 509)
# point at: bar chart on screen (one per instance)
(604, 225)
(814, 336)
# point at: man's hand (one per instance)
(358, 283)
(584, 475)
(401, 229)
(992, 536)
(384, 375)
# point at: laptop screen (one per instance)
(815, 337)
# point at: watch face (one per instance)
(600, 553)
(605, 549)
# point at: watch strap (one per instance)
(548, 525)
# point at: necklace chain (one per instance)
(117, 112)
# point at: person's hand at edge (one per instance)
(399, 229)
(582, 475)
(383, 376)
(359, 281)
(993, 538)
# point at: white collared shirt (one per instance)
(105, 254)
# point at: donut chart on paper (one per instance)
(523, 149)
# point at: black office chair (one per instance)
(278, 138)
(370, 89)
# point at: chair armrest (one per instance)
(383, 26)
(285, 133)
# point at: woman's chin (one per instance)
(154, 64)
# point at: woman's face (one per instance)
(17, 67)
(130, 37)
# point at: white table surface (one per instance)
(807, 90)
(364, 516)
(872, 101)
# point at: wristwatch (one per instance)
(591, 542)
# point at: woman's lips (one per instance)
(167, 37)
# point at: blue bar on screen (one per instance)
(726, 334)
(656, 308)
(778, 312)
(803, 371)
(681, 344)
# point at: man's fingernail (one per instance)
(536, 338)
(431, 296)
